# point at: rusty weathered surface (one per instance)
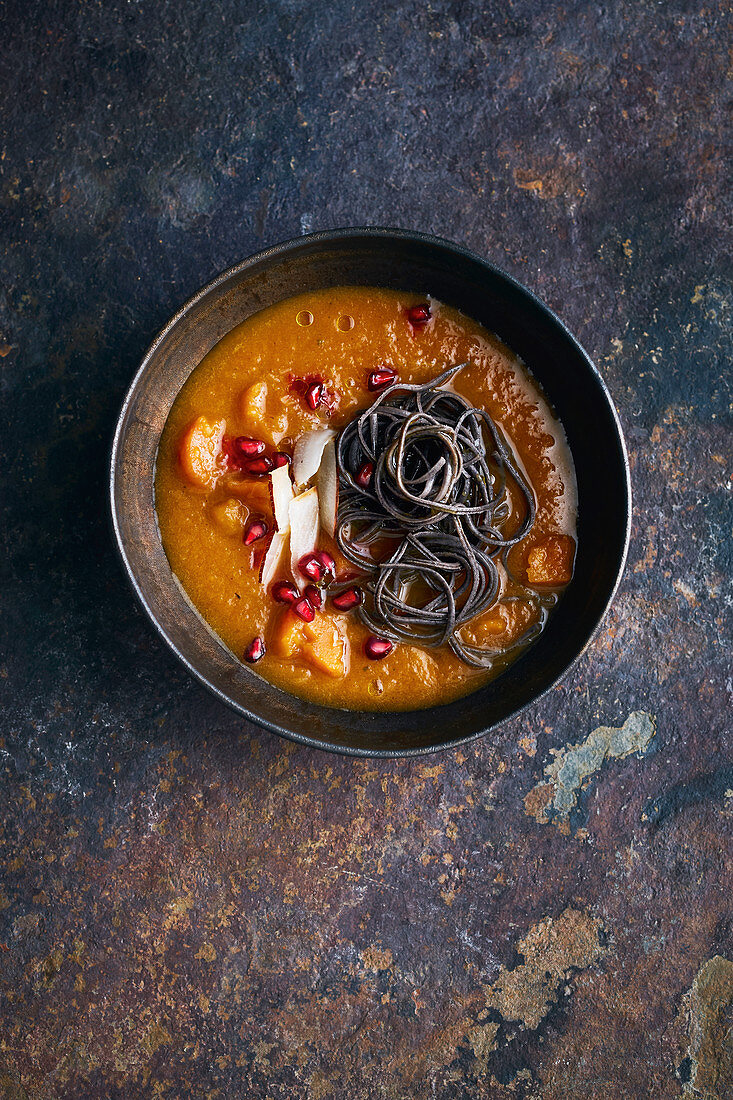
(192, 908)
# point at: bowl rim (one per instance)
(277, 251)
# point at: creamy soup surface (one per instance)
(258, 383)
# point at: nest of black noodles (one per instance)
(423, 512)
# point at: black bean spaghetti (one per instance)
(424, 497)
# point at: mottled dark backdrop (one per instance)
(190, 907)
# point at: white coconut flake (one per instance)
(304, 525)
(307, 454)
(281, 494)
(328, 488)
(273, 558)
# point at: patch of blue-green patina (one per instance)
(574, 765)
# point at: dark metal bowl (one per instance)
(412, 262)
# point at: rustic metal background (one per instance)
(192, 908)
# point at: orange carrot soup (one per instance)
(367, 497)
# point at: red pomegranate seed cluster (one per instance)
(380, 378)
(254, 651)
(248, 455)
(320, 569)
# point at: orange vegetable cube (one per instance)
(253, 491)
(286, 637)
(550, 562)
(500, 625)
(325, 646)
(229, 515)
(199, 450)
(487, 627)
(260, 420)
(320, 643)
(253, 402)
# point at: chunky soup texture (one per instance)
(304, 364)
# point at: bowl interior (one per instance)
(428, 266)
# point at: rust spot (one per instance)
(551, 949)
(155, 1038)
(207, 952)
(537, 802)
(555, 176)
(524, 995)
(707, 1006)
(527, 184)
(376, 958)
(650, 550)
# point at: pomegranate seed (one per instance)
(254, 531)
(379, 379)
(419, 315)
(254, 651)
(313, 595)
(246, 447)
(377, 648)
(280, 459)
(313, 395)
(311, 568)
(304, 608)
(328, 565)
(364, 475)
(321, 392)
(284, 592)
(347, 600)
(261, 465)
